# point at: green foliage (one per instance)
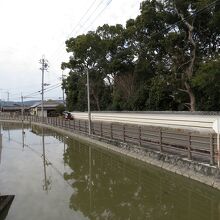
(161, 94)
(207, 85)
(60, 109)
(146, 65)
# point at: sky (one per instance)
(31, 29)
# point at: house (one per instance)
(49, 106)
(14, 109)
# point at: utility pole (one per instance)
(88, 97)
(22, 108)
(22, 118)
(8, 97)
(63, 90)
(47, 182)
(44, 66)
(0, 100)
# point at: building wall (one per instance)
(37, 112)
(40, 114)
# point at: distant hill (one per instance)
(26, 103)
(30, 103)
(3, 103)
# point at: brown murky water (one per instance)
(56, 178)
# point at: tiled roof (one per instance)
(47, 104)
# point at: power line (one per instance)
(44, 67)
(89, 16)
(186, 18)
(53, 88)
(39, 91)
(79, 22)
(108, 3)
(45, 91)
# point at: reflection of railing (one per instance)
(194, 146)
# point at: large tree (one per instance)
(193, 39)
(87, 55)
(154, 62)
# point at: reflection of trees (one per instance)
(120, 190)
(47, 132)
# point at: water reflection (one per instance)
(47, 181)
(0, 143)
(9, 135)
(22, 134)
(13, 126)
(107, 186)
(61, 178)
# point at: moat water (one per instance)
(54, 177)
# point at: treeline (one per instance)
(165, 59)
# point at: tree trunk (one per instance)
(188, 74)
(96, 99)
(191, 97)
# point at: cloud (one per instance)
(30, 29)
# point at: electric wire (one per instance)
(77, 31)
(186, 18)
(39, 91)
(108, 3)
(79, 22)
(84, 15)
(58, 86)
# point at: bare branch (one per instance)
(183, 90)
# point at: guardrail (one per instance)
(191, 145)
